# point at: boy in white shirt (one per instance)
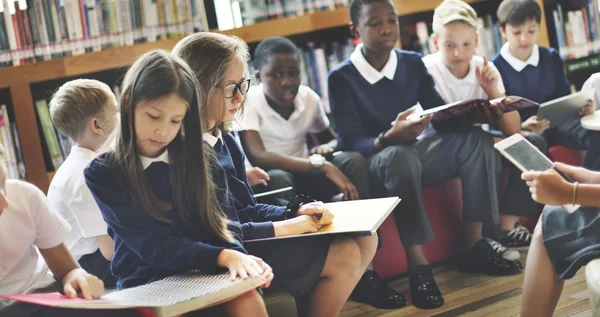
(85, 111)
(33, 255)
(460, 75)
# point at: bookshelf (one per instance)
(19, 79)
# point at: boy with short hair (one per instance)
(378, 83)
(460, 75)
(85, 111)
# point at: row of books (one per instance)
(577, 31)
(419, 38)
(246, 12)
(39, 30)
(9, 138)
(318, 60)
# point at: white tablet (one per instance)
(565, 109)
(526, 157)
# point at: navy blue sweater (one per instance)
(235, 195)
(362, 111)
(543, 83)
(146, 248)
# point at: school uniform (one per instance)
(541, 78)
(516, 199)
(288, 137)
(296, 263)
(147, 249)
(70, 196)
(365, 100)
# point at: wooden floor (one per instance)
(479, 295)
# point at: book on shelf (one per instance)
(578, 30)
(171, 296)
(12, 146)
(49, 133)
(46, 29)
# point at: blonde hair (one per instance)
(210, 55)
(451, 11)
(75, 103)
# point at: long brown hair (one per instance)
(154, 75)
(210, 55)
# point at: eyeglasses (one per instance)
(231, 89)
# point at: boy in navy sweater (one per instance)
(378, 83)
(537, 73)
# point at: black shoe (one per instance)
(375, 292)
(424, 291)
(518, 238)
(482, 258)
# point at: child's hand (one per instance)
(578, 174)
(488, 78)
(548, 188)
(534, 125)
(257, 175)
(239, 264)
(267, 271)
(403, 130)
(323, 149)
(317, 210)
(341, 181)
(296, 226)
(79, 281)
(590, 108)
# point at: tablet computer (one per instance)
(526, 157)
(565, 109)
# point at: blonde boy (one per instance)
(459, 75)
(85, 111)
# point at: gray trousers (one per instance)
(352, 164)
(402, 170)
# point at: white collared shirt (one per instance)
(286, 137)
(147, 161)
(517, 64)
(370, 74)
(27, 224)
(211, 139)
(70, 196)
(453, 89)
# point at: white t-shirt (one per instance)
(593, 83)
(70, 196)
(286, 137)
(28, 223)
(454, 89)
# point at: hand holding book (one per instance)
(404, 130)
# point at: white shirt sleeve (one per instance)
(251, 119)
(501, 88)
(593, 83)
(51, 228)
(87, 213)
(320, 121)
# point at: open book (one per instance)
(459, 110)
(171, 296)
(357, 216)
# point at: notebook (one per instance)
(356, 216)
(171, 296)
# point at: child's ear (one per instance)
(502, 31)
(435, 40)
(476, 39)
(95, 126)
(354, 31)
(257, 76)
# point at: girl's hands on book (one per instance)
(404, 130)
(296, 226)
(534, 125)
(317, 210)
(78, 281)
(267, 271)
(239, 264)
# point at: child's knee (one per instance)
(538, 236)
(345, 256)
(401, 160)
(251, 301)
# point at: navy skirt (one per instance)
(296, 262)
(572, 240)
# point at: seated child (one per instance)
(320, 271)
(155, 191)
(378, 83)
(85, 111)
(34, 257)
(562, 242)
(536, 73)
(280, 114)
(460, 75)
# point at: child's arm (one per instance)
(106, 246)
(510, 123)
(74, 279)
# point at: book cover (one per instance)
(41, 107)
(18, 151)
